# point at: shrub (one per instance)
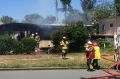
(29, 45)
(17, 47)
(26, 46)
(5, 44)
(105, 42)
(76, 34)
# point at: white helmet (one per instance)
(32, 34)
(89, 42)
(36, 33)
(64, 37)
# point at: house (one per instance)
(44, 31)
(108, 28)
(1, 23)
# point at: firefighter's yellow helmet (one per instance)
(64, 37)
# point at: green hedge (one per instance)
(101, 42)
(7, 44)
(17, 47)
(29, 45)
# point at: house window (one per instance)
(103, 27)
(111, 25)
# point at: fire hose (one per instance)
(107, 70)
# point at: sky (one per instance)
(19, 8)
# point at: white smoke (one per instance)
(46, 7)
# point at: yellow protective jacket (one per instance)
(97, 52)
(64, 44)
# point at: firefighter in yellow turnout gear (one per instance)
(64, 46)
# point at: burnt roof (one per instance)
(43, 30)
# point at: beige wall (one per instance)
(45, 44)
(107, 29)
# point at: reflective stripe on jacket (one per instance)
(64, 44)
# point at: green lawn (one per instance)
(75, 60)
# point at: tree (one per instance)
(73, 16)
(87, 5)
(66, 5)
(117, 7)
(100, 14)
(33, 18)
(49, 20)
(103, 11)
(76, 34)
(7, 19)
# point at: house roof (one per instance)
(110, 19)
(104, 35)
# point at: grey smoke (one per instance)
(38, 19)
(74, 16)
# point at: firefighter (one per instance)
(37, 37)
(97, 56)
(33, 36)
(89, 55)
(64, 46)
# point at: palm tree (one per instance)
(87, 5)
(66, 5)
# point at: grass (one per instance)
(75, 60)
(109, 51)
